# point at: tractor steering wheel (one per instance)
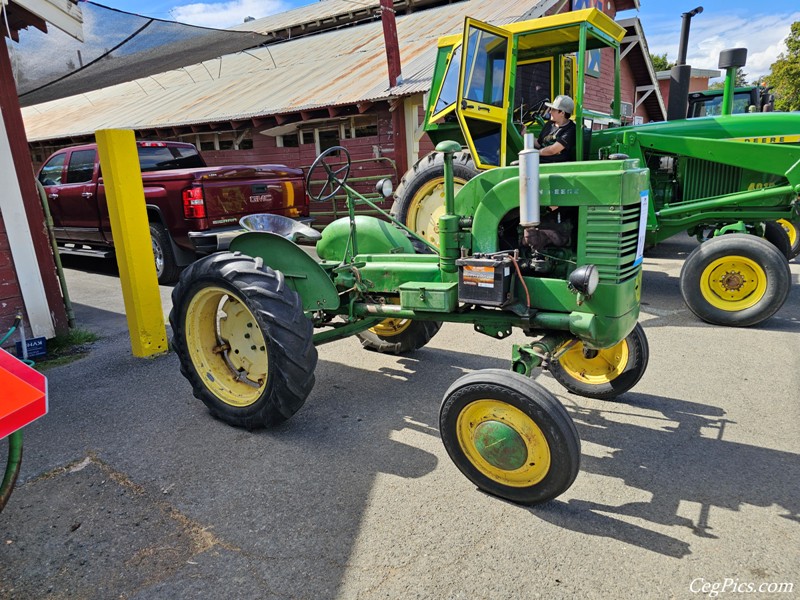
(538, 111)
(335, 176)
(535, 113)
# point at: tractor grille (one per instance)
(706, 179)
(612, 234)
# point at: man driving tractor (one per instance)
(557, 138)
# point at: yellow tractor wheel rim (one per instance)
(227, 347)
(427, 206)
(503, 443)
(790, 229)
(606, 366)
(733, 283)
(391, 327)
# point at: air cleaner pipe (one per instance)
(529, 184)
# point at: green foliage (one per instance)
(66, 348)
(784, 77)
(660, 62)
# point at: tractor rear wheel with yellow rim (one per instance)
(419, 199)
(736, 280)
(510, 436)
(242, 339)
(603, 374)
(792, 229)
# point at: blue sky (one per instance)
(760, 27)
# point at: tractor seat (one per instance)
(278, 224)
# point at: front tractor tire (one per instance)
(398, 336)
(509, 436)
(419, 199)
(242, 339)
(604, 374)
(735, 280)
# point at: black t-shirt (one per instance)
(565, 135)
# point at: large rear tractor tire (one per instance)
(604, 374)
(735, 280)
(510, 436)
(792, 229)
(242, 339)
(419, 199)
(776, 235)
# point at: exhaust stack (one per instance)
(529, 184)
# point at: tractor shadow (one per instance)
(677, 455)
(683, 458)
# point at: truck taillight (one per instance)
(194, 205)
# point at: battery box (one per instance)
(485, 281)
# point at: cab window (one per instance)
(52, 170)
(449, 91)
(484, 77)
(533, 84)
(81, 166)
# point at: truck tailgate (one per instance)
(234, 192)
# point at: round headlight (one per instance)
(585, 279)
(384, 188)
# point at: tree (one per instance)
(741, 81)
(784, 77)
(660, 62)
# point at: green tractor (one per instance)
(746, 99)
(556, 256)
(730, 180)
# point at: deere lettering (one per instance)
(775, 139)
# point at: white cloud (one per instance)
(763, 35)
(226, 14)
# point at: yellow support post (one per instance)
(122, 177)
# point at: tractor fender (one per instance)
(373, 236)
(302, 272)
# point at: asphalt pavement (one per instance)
(688, 485)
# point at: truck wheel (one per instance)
(776, 235)
(606, 374)
(735, 279)
(510, 436)
(792, 229)
(243, 341)
(398, 336)
(419, 199)
(167, 267)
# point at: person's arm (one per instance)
(552, 149)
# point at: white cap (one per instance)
(564, 103)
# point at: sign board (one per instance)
(23, 394)
(33, 347)
(593, 57)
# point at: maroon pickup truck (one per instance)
(192, 208)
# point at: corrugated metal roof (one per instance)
(345, 66)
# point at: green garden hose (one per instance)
(12, 467)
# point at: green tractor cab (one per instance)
(731, 180)
(556, 256)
